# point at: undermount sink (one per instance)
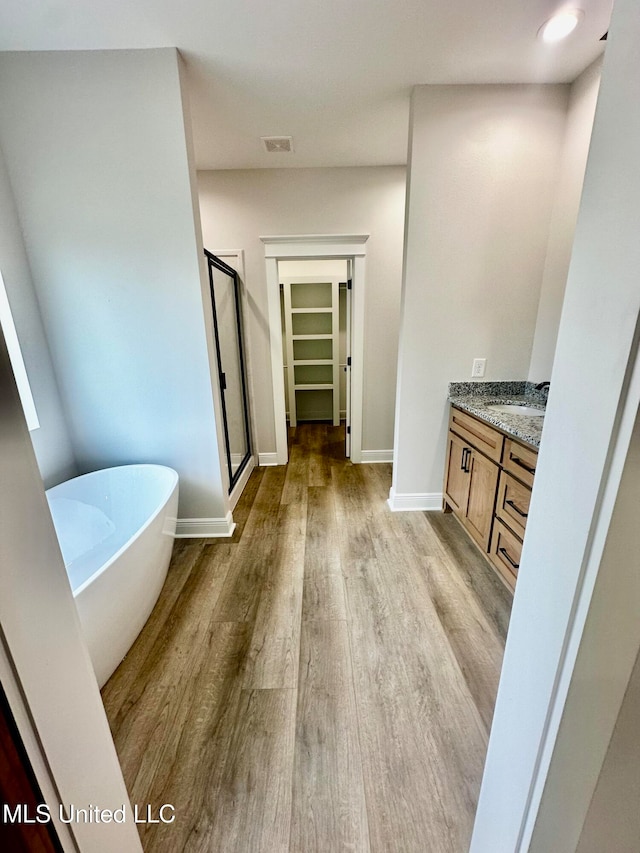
(515, 409)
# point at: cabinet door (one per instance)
(457, 478)
(483, 481)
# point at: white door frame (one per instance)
(348, 357)
(316, 247)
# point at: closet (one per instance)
(311, 319)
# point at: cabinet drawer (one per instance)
(480, 435)
(512, 506)
(505, 553)
(520, 461)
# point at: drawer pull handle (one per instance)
(522, 464)
(504, 553)
(517, 509)
(466, 453)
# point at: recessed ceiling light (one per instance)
(561, 25)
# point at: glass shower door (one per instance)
(227, 324)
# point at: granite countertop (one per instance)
(475, 397)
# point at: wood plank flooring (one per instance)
(322, 681)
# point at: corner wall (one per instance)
(98, 156)
(582, 107)
(574, 633)
(482, 170)
(51, 441)
(613, 819)
(237, 207)
(44, 662)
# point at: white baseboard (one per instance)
(234, 497)
(414, 501)
(267, 459)
(205, 528)
(376, 456)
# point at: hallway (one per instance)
(322, 681)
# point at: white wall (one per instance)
(574, 633)
(602, 650)
(44, 662)
(582, 106)
(482, 169)
(238, 207)
(98, 155)
(613, 819)
(51, 441)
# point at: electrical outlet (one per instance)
(479, 364)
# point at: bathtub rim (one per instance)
(138, 532)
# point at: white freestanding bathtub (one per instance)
(116, 530)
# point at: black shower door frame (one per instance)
(214, 262)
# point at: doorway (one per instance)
(351, 251)
(315, 302)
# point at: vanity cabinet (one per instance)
(487, 484)
(470, 488)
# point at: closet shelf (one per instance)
(320, 324)
(312, 361)
(315, 386)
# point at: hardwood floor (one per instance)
(322, 681)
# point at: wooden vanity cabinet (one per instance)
(470, 488)
(488, 479)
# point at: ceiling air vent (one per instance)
(277, 144)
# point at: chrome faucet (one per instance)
(542, 385)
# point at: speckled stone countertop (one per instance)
(474, 397)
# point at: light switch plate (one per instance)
(479, 365)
